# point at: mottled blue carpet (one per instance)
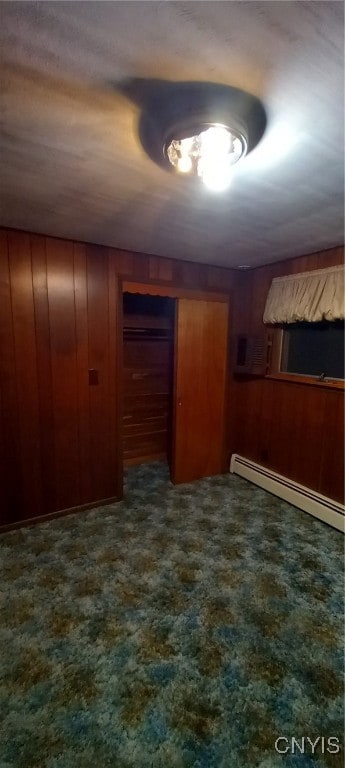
(187, 626)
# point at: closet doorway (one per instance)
(175, 363)
(148, 359)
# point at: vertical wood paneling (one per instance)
(26, 370)
(192, 274)
(330, 258)
(303, 264)
(296, 421)
(266, 444)
(242, 309)
(4, 484)
(260, 283)
(160, 269)
(279, 444)
(98, 328)
(115, 384)
(123, 261)
(60, 281)
(219, 278)
(247, 419)
(11, 493)
(82, 355)
(332, 466)
(44, 374)
(304, 419)
(141, 267)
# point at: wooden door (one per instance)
(200, 383)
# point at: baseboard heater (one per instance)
(314, 503)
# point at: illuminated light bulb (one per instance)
(186, 145)
(216, 176)
(184, 164)
(216, 141)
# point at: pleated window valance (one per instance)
(307, 296)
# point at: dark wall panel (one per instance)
(63, 348)
(82, 354)
(332, 464)
(25, 361)
(99, 353)
(12, 498)
(58, 318)
(44, 373)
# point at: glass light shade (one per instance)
(209, 154)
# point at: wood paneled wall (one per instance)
(58, 319)
(293, 428)
(59, 438)
(60, 441)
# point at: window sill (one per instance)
(306, 380)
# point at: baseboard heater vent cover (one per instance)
(314, 503)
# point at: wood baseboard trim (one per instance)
(60, 513)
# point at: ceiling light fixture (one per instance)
(198, 130)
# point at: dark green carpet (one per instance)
(186, 626)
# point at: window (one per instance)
(309, 349)
(307, 311)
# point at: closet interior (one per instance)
(148, 363)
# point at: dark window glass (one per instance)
(313, 349)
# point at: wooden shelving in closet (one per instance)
(148, 362)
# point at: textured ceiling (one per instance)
(71, 161)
